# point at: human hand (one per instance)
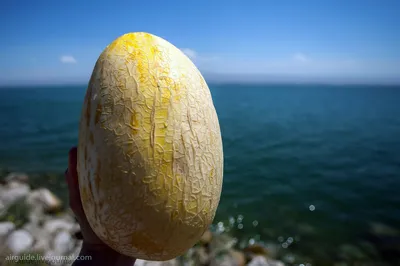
(101, 253)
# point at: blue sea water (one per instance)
(317, 164)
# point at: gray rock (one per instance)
(172, 262)
(42, 237)
(2, 206)
(222, 242)
(19, 241)
(200, 256)
(36, 215)
(5, 229)
(55, 225)
(44, 199)
(263, 261)
(75, 253)
(63, 243)
(223, 260)
(17, 177)
(13, 192)
(52, 257)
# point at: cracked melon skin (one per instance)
(150, 155)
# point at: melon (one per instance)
(150, 154)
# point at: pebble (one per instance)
(200, 256)
(13, 192)
(223, 260)
(52, 235)
(172, 262)
(41, 236)
(63, 243)
(19, 241)
(55, 225)
(263, 261)
(16, 177)
(5, 229)
(45, 199)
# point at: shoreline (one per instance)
(35, 221)
(35, 225)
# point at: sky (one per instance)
(298, 41)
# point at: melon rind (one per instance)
(150, 154)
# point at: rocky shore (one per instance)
(36, 228)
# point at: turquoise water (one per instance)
(316, 163)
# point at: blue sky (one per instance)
(309, 40)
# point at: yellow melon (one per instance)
(150, 155)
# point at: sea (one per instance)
(310, 170)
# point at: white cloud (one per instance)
(300, 57)
(192, 54)
(67, 59)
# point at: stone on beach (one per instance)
(17, 177)
(39, 230)
(19, 241)
(12, 192)
(44, 199)
(55, 225)
(63, 243)
(5, 229)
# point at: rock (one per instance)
(200, 256)
(263, 261)
(47, 201)
(172, 262)
(19, 241)
(36, 215)
(63, 243)
(224, 259)
(42, 237)
(5, 229)
(17, 177)
(52, 257)
(258, 261)
(58, 224)
(222, 242)
(206, 237)
(75, 253)
(3, 208)
(13, 192)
